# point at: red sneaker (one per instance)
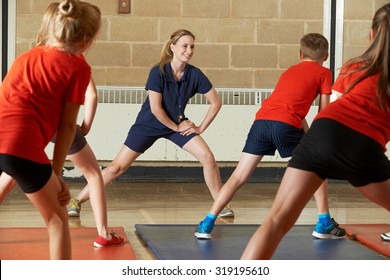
(101, 242)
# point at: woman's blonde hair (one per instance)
(166, 54)
(376, 59)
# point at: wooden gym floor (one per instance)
(131, 203)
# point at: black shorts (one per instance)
(30, 175)
(335, 151)
(78, 143)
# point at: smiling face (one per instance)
(184, 48)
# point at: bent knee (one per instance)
(114, 170)
(56, 221)
(208, 159)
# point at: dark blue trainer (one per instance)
(334, 231)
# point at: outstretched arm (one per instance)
(324, 101)
(215, 105)
(65, 134)
(90, 104)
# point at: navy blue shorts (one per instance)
(335, 151)
(265, 137)
(140, 143)
(30, 175)
(78, 143)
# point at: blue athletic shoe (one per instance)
(331, 232)
(203, 231)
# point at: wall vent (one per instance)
(262, 94)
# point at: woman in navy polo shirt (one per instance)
(171, 84)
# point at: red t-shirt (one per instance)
(32, 97)
(359, 108)
(294, 93)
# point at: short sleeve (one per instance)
(204, 85)
(78, 85)
(154, 81)
(341, 82)
(326, 87)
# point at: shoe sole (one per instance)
(97, 245)
(326, 236)
(202, 235)
(73, 214)
(385, 237)
(228, 215)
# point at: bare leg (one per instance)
(7, 183)
(120, 164)
(201, 151)
(296, 189)
(86, 161)
(378, 193)
(321, 197)
(243, 171)
(55, 218)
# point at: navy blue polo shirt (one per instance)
(175, 96)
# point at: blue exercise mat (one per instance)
(177, 242)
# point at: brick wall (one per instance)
(239, 43)
(357, 22)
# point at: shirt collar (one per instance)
(168, 71)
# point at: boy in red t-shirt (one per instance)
(347, 140)
(280, 125)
